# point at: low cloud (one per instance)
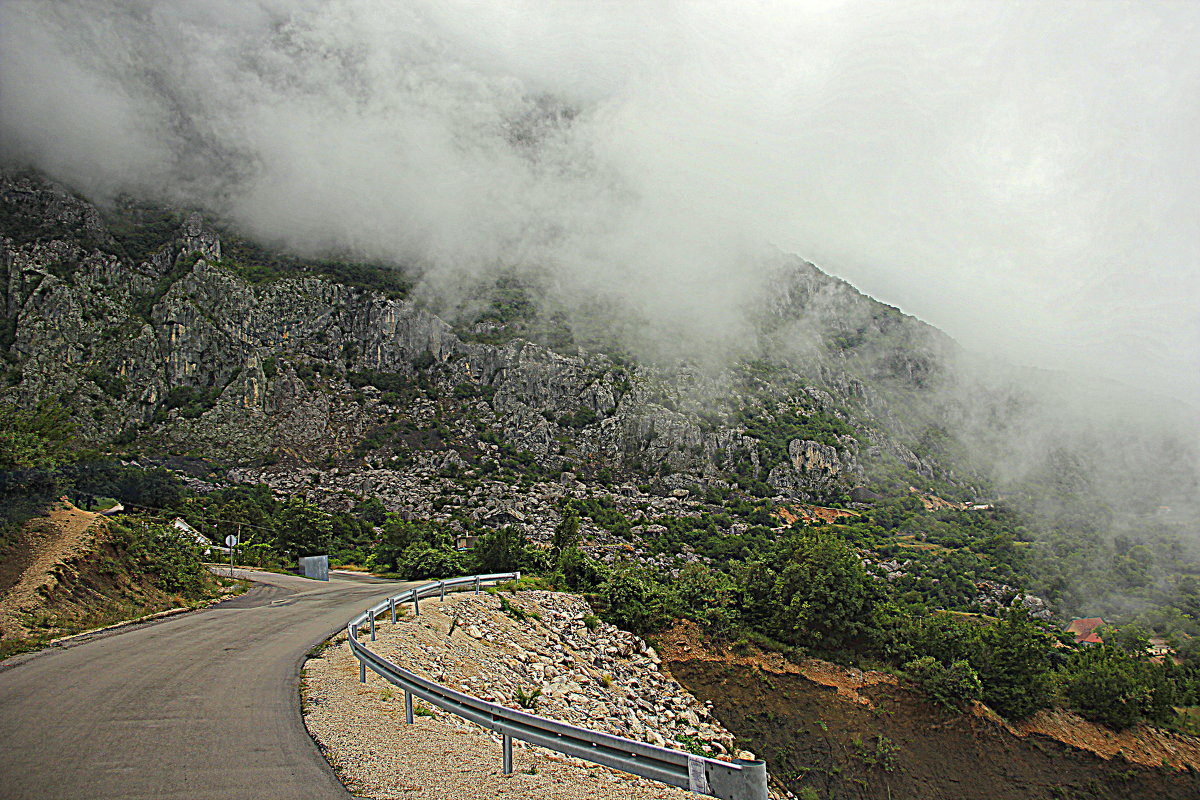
(1024, 176)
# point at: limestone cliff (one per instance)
(173, 345)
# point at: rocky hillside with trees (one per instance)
(166, 335)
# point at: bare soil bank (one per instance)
(847, 734)
(64, 574)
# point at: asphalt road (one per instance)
(202, 705)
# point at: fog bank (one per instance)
(1025, 176)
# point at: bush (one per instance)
(422, 560)
(566, 533)
(1015, 665)
(304, 529)
(173, 564)
(399, 535)
(946, 637)
(948, 685)
(822, 597)
(1106, 685)
(579, 572)
(634, 603)
(39, 437)
(505, 550)
(707, 597)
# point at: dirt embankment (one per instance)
(62, 575)
(37, 563)
(813, 514)
(852, 734)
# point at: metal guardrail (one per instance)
(736, 780)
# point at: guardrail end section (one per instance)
(747, 782)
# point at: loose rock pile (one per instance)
(545, 652)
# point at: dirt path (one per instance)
(46, 542)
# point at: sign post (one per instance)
(231, 542)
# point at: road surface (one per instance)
(202, 705)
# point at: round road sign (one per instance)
(231, 541)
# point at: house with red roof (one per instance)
(1085, 630)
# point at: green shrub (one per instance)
(1016, 665)
(513, 610)
(820, 597)
(39, 437)
(505, 550)
(579, 572)
(1107, 685)
(634, 603)
(948, 685)
(581, 418)
(191, 401)
(527, 700)
(423, 560)
(173, 564)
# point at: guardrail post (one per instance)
(416, 603)
(508, 770)
(442, 587)
(371, 614)
(392, 608)
(476, 584)
(408, 707)
(362, 671)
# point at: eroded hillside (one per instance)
(69, 570)
(850, 733)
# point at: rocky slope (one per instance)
(165, 337)
(537, 650)
(546, 651)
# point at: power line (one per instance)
(178, 514)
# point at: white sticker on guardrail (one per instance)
(697, 778)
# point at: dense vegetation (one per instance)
(808, 590)
(259, 264)
(810, 593)
(141, 565)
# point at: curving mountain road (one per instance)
(203, 705)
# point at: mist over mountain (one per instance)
(1023, 178)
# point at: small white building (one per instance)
(188, 533)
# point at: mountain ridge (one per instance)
(185, 321)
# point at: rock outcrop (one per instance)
(178, 344)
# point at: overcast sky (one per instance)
(1025, 176)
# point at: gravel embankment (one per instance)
(600, 677)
